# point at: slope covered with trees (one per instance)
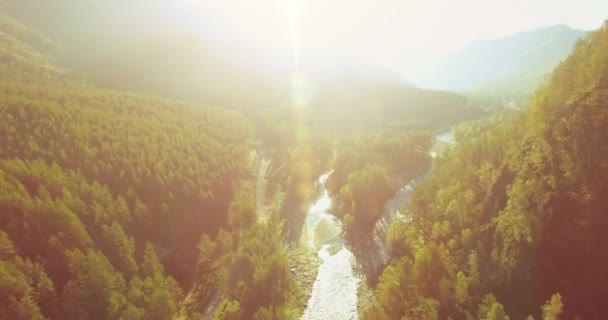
(27, 55)
(67, 251)
(177, 159)
(243, 272)
(515, 215)
(104, 197)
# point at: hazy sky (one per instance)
(404, 35)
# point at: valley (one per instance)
(214, 160)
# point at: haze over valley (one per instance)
(303, 159)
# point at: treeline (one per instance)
(365, 171)
(353, 104)
(514, 216)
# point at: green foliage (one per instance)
(227, 310)
(245, 266)
(152, 297)
(25, 54)
(105, 195)
(7, 250)
(364, 195)
(26, 290)
(426, 309)
(553, 308)
(497, 312)
(257, 273)
(87, 233)
(88, 177)
(242, 211)
(150, 264)
(165, 161)
(514, 208)
(93, 288)
(109, 192)
(120, 248)
(360, 183)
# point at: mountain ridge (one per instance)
(503, 62)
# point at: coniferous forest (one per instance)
(512, 220)
(163, 174)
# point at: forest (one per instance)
(105, 196)
(361, 181)
(170, 175)
(511, 221)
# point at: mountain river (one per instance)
(334, 293)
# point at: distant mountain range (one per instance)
(515, 64)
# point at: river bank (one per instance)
(304, 265)
(342, 287)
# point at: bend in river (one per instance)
(334, 293)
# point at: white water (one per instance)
(445, 136)
(442, 139)
(334, 293)
(392, 208)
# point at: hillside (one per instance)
(515, 64)
(198, 68)
(105, 197)
(515, 214)
(25, 54)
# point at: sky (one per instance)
(405, 36)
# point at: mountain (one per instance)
(514, 216)
(515, 64)
(197, 67)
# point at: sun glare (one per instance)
(303, 159)
(297, 78)
(404, 36)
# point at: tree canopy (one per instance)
(514, 213)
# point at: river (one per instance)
(334, 293)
